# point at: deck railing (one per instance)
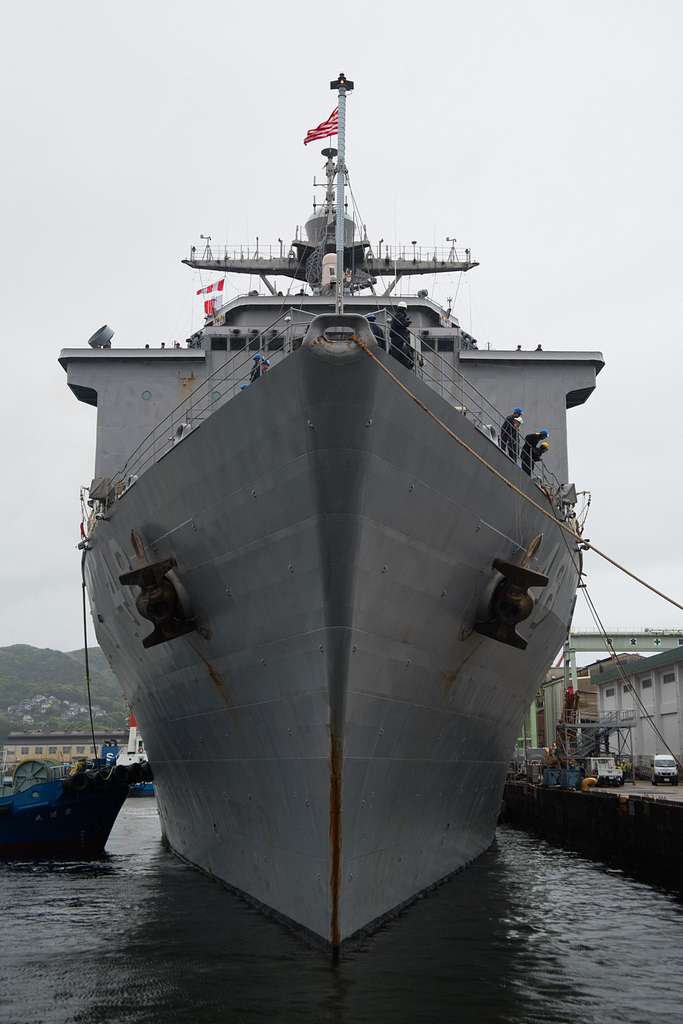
(233, 376)
(220, 386)
(280, 250)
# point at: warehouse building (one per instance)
(649, 699)
(55, 746)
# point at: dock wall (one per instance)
(639, 834)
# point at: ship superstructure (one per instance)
(328, 616)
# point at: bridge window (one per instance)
(237, 344)
(24, 750)
(219, 343)
(38, 750)
(669, 678)
(444, 345)
(646, 684)
(609, 692)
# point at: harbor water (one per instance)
(528, 934)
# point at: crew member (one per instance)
(509, 433)
(377, 330)
(534, 448)
(256, 369)
(399, 336)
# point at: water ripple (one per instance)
(529, 935)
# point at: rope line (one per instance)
(85, 650)
(623, 673)
(508, 483)
(609, 646)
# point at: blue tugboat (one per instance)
(51, 811)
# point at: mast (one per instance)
(343, 85)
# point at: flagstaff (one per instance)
(343, 85)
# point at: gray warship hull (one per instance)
(334, 738)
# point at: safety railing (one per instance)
(219, 387)
(233, 376)
(381, 250)
(609, 719)
(243, 251)
(452, 385)
(407, 251)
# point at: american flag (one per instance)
(325, 129)
(212, 298)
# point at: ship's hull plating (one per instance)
(337, 740)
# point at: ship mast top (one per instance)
(342, 85)
(306, 257)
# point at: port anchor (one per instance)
(510, 603)
(162, 601)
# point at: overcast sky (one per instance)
(544, 135)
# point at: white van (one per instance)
(665, 769)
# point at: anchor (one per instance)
(162, 600)
(511, 603)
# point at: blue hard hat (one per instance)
(257, 355)
(517, 411)
(546, 433)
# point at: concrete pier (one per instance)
(639, 833)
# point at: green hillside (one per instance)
(28, 673)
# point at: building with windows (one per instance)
(649, 698)
(54, 746)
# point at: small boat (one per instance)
(134, 759)
(51, 810)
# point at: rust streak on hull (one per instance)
(335, 839)
(214, 676)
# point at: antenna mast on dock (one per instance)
(343, 85)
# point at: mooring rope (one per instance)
(85, 648)
(509, 484)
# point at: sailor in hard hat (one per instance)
(534, 448)
(257, 367)
(399, 336)
(509, 433)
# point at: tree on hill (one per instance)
(27, 671)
